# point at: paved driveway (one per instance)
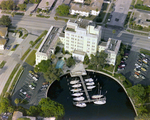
(120, 12)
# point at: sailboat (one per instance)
(90, 87)
(100, 101)
(76, 90)
(74, 81)
(79, 98)
(76, 85)
(89, 80)
(90, 83)
(81, 105)
(77, 94)
(98, 95)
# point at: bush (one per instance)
(20, 34)
(144, 51)
(127, 83)
(19, 13)
(42, 16)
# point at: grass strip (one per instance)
(2, 64)
(25, 54)
(38, 45)
(39, 38)
(9, 79)
(13, 49)
(16, 79)
(31, 58)
(25, 36)
(144, 51)
(131, 31)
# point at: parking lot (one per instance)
(30, 89)
(119, 13)
(136, 70)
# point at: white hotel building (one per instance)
(81, 37)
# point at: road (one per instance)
(35, 22)
(127, 38)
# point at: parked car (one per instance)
(14, 46)
(32, 87)
(145, 65)
(45, 83)
(144, 69)
(8, 47)
(23, 91)
(121, 66)
(137, 70)
(28, 96)
(142, 55)
(137, 66)
(136, 76)
(142, 76)
(140, 63)
(34, 78)
(145, 61)
(137, 73)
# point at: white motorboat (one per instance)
(76, 90)
(90, 87)
(100, 101)
(78, 98)
(89, 80)
(76, 85)
(81, 105)
(77, 94)
(90, 83)
(74, 81)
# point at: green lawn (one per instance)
(13, 49)
(2, 64)
(16, 79)
(9, 79)
(31, 58)
(25, 54)
(144, 51)
(140, 2)
(38, 45)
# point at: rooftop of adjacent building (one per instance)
(43, 3)
(48, 40)
(3, 41)
(94, 5)
(3, 31)
(102, 43)
(112, 44)
(146, 2)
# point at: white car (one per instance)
(34, 78)
(32, 87)
(137, 66)
(136, 76)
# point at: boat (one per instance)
(76, 85)
(81, 105)
(76, 90)
(90, 83)
(100, 101)
(89, 80)
(78, 98)
(98, 95)
(90, 87)
(77, 94)
(74, 81)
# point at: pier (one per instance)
(85, 90)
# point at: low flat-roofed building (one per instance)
(48, 45)
(142, 18)
(111, 47)
(2, 43)
(85, 10)
(43, 4)
(146, 2)
(78, 55)
(3, 31)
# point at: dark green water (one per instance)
(117, 107)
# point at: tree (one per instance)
(62, 10)
(11, 109)
(16, 101)
(7, 5)
(113, 32)
(4, 103)
(63, 51)
(38, 10)
(47, 3)
(86, 59)
(23, 119)
(70, 61)
(53, 56)
(51, 108)
(34, 110)
(118, 59)
(5, 20)
(31, 43)
(13, 14)
(43, 66)
(22, 6)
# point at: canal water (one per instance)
(117, 107)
